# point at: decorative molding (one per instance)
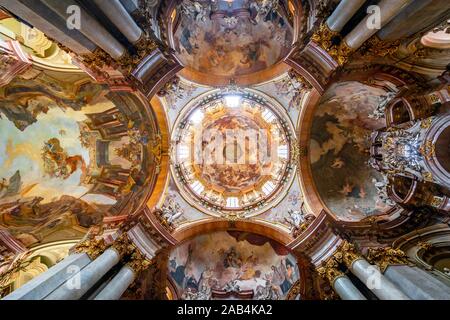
(376, 47)
(92, 247)
(138, 262)
(347, 254)
(329, 271)
(332, 42)
(384, 257)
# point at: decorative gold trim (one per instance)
(123, 245)
(384, 257)
(377, 47)
(425, 245)
(138, 262)
(427, 150)
(295, 290)
(329, 271)
(347, 254)
(324, 38)
(92, 247)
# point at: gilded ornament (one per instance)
(329, 271)
(426, 123)
(92, 247)
(295, 290)
(347, 254)
(384, 257)
(437, 201)
(425, 245)
(427, 176)
(427, 150)
(324, 37)
(376, 47)
(123, 245)
(138, 262)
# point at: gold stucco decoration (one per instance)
(384, 257)
(92, 247)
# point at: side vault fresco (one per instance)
(232, 264)
(340, 141)
(70, 155)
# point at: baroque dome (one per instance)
(232, 152)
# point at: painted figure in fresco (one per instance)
(178, 272)
(57, 163)
(232, 260)
(10, 187)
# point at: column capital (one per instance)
(384, 257)
(92, 247)
(139, 262)
(347, 254)
(329, 270)
(123, 245)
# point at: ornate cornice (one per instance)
(127, 63)
(384, 257)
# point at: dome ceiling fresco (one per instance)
(340, 143)
(71, 154)
(232, 153)
(224, 149)
(232, 38)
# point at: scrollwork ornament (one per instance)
(384, 257)
(376, 47)
(123, 245)
(138, 262)
(295, 290)
(347, 254)
(92, 247)
(329, 271)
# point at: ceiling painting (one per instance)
(231, 39)
(343, 122)
(69, 157)
(230, 265)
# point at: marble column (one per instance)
(343, 13)
(136, 263)
(75, 287)
(415, 282)
(382, 287)
(341, 284)
(41, 286)
(346, 290)
(90, 28)
(418, 284)
(361, 33)
(118, 15)
(118, 285)
(370, 275)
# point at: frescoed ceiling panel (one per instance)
(340, 142)
(72, 154)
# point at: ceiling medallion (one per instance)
(232, 153)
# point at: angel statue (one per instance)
(298, 220)
(171, 212)
(379, 111)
